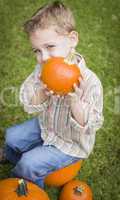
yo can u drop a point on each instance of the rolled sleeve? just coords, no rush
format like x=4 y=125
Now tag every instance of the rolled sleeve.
x=35 y=108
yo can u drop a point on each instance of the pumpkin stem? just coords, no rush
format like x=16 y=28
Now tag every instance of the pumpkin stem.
x=22 y=188
x=78 y=190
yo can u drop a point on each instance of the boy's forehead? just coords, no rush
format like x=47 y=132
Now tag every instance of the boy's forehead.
x=43 y=36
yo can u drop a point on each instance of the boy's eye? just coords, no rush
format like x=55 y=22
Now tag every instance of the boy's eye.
x=36 y=50
x=50 y=46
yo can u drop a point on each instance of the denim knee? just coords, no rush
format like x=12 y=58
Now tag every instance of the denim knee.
x=29 y=169
x=10 y=138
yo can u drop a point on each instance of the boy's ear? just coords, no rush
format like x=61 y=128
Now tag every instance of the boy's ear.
x=73 y=36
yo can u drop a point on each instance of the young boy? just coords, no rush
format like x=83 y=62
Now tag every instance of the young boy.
x=65 y=128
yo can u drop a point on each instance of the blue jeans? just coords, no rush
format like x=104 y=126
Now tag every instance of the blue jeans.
x=33 y=160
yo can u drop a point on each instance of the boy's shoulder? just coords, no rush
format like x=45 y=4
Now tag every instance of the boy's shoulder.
x=90 y=77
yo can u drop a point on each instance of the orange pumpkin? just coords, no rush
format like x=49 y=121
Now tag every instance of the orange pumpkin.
x=18 y=189
x=63 y=175
x=77 y=190
x=59 y=75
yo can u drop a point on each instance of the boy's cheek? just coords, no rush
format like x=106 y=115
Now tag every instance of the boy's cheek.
x=39 y=59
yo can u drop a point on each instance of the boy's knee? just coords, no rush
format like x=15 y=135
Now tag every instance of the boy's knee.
x=29 y=164
x=25 y=163
x=10 y=136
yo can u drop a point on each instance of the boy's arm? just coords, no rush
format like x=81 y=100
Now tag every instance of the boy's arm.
x=87 y=118
x=32 y=94
x=87 y=115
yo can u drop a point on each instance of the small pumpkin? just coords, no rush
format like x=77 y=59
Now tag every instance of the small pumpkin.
x=19 y=189
x=77 y=190
x=59 y=75
x=63 y=175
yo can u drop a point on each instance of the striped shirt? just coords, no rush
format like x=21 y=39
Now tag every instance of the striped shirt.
x=58 y=126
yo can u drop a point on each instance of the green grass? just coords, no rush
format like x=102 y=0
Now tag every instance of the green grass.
x=98 y=26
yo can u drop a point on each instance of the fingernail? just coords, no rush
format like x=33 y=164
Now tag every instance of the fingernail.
x=45 y=85
x=51 y=91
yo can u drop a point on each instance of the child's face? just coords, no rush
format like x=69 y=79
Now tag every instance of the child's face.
x=48 y=43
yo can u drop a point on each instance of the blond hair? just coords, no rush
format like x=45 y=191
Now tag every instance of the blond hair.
x=55 y=14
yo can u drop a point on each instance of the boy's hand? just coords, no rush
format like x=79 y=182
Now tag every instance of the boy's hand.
x=46 y=90
x=78 y=92
x=76 y=103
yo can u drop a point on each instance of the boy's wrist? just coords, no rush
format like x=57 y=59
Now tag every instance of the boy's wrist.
x=78 y=114
x=77 y=110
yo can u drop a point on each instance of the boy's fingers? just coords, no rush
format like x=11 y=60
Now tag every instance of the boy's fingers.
x=58 y=95
x=51 y=92
x=74 y=85
x=78 y=91
x=76 y=88
x=62 y=97
x=43 y=85
x=80 y=79
x=71 y=94
x=47 y=93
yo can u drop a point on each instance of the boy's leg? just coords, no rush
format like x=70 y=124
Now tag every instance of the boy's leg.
x=37 y=163
x=21 y=138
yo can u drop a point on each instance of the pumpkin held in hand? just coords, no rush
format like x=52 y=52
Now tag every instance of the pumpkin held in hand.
x=18 y=189
x=77 y=190
x=59 y=75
